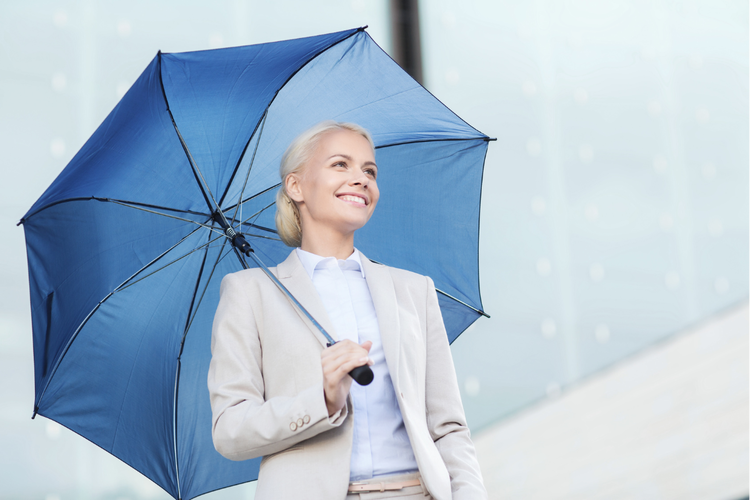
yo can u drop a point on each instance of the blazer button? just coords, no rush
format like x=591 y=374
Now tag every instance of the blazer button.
x=299 y=422
x=293 y=426
x=306 y=419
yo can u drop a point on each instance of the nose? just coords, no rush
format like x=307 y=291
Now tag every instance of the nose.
x=359 y=178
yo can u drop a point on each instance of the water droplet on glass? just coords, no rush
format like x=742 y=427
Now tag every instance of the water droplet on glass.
x=666 y=222
x=543 y=267
x=654 y=108
x=123 y=28
x=529 y=88
x=60 y=19
x=452 y=76
x=121 y=89
x=715 y=228
x=695 y=61
x=660 y=164
x=721 y=285
x=591 y=212
x=53 y=430
x=553 y=389
x=534 y=146
x=215 y=41
x=59 y=82
x=601 y=332
x=538 y=205
x=57 y=148
x=586 y=152
x=708 y=170
x=549 y=328
x=449 y=19
x=472 y=385
x=672 y=280
x=596 y=271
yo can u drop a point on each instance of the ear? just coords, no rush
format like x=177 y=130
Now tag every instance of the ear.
x=293 y=188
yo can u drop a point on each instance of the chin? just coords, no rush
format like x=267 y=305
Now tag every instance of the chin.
x=351 y=226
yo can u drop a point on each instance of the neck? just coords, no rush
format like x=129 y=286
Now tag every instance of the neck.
x=327 y=243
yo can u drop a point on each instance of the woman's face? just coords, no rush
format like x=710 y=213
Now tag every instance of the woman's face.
x=337 y=187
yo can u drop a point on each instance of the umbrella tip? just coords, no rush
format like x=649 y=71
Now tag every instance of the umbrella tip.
x=20 y=222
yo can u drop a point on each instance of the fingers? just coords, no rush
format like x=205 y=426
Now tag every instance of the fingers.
x=347 y=350
x=342 y=357
x=338 y=360
x=339 y=363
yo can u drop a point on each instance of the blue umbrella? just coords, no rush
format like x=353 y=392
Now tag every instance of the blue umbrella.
x=127 y=247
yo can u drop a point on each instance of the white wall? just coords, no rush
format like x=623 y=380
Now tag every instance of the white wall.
x=668 y=423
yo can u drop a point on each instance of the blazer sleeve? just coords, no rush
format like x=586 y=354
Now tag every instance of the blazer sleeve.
x=246 y=424
x=445 y=414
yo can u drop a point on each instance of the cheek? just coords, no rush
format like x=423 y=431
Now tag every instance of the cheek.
x=375 y=195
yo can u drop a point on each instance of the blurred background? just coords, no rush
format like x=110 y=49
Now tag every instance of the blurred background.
x=614 y=234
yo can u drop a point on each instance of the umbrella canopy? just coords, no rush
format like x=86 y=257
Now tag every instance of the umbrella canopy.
x=126 y=257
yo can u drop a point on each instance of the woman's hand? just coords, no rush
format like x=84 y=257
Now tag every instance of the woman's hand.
x=338 y=360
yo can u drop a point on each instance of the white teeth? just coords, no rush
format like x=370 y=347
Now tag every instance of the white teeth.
x=355 y=199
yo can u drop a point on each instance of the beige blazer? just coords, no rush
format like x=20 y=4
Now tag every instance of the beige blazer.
x=266 y=384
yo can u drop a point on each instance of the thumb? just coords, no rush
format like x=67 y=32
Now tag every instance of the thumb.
x=367 y=345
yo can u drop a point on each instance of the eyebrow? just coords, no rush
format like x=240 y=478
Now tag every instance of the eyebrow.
x=350 y=159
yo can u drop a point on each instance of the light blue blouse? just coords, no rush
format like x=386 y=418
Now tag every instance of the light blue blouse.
x=381 y=445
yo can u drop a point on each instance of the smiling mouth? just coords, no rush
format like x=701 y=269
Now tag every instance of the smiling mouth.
x=353 y=199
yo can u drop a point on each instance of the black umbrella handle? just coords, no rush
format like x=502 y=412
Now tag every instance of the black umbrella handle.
x=362 y=375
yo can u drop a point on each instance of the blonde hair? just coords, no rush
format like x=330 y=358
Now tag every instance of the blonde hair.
x=288 y=223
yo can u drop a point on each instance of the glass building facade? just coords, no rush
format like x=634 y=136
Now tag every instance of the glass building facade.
x=614 y=205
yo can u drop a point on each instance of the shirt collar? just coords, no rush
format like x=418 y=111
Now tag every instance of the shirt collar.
x=311 y=261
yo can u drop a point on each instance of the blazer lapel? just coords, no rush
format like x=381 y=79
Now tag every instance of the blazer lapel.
x=383 y=294
x=293 y=276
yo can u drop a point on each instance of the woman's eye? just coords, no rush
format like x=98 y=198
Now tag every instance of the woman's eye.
x=339 y=164
x=371 y=172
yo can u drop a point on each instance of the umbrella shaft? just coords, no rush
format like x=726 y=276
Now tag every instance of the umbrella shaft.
x=291 y=297
x=241 y=244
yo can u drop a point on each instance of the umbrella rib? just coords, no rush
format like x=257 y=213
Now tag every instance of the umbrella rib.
x=463 y=303
x=261 y=236
x=250 y=167
x=178 y=369
x=141 y=204
x=117 y=202
x=450 y=297
x=255 y=196
x=121 y=287
x=174 y=427
x=256 y=226
x=211 y=228
x=416 y=141
x=194 y=165
x=191 y=160
x=257 y=214
x=195 y=312
x=95 y=198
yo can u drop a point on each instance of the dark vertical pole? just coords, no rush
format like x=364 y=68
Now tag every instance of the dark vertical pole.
x=407 y=49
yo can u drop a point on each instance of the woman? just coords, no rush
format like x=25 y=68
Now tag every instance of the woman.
x=277 y=391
